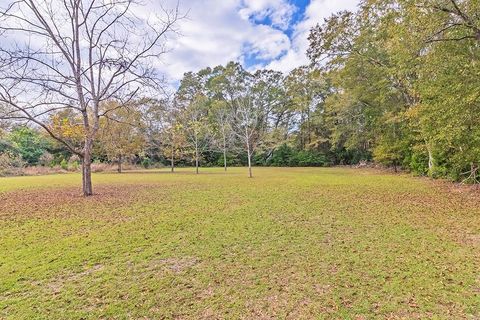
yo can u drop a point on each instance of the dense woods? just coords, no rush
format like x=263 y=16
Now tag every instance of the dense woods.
x=394 y=82
x=402 y=76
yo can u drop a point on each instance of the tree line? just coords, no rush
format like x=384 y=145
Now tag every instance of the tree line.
x=393 y=82
x=219 y=116
x=404 y=89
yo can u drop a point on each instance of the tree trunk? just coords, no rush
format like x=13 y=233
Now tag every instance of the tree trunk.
x=225 y=159
x=87 y=172
x=249 y=154
x=302 y=139
x=172 y=163
x=309 y=138
x=119 y=169
x=431 y=161
x=224 y=153
x=196 y=160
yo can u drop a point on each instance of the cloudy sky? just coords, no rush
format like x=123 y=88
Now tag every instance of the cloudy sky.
x=258 y=33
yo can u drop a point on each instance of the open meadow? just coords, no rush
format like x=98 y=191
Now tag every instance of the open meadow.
x=291 y=243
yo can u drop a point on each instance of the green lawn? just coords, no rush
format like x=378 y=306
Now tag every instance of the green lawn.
x=292 y=243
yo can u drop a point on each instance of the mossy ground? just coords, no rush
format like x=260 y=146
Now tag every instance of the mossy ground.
x=291 y=243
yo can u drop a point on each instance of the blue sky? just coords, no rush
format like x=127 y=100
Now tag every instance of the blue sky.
x=258 y=33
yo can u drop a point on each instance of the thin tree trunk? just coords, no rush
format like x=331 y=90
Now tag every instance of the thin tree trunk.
x=473 y=172
x=225 y=159
x=431 y=161
x=172 y=164
x=224 y=151
x=87 y=172
x=119 y=169
x=309 y=138
x=196 y=159
x=249 y=154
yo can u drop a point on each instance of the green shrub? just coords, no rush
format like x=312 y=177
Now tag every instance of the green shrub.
x=309 y=158
x=231 y=160
x=146 y=163
x=282 y=156
x=64 y=164
x=417 y=163
x=287 y=156
x=30 y=144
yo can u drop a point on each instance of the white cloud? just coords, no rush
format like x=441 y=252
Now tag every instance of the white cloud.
x=217 y=32
x=267 y=43
x=278 y=11
x=214 y=33
x=315 y=13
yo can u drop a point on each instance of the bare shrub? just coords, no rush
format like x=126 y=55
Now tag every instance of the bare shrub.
x=10 y=164
x=39 y=170
x=46 y=159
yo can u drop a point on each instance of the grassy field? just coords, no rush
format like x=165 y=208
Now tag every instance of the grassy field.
x=288 y=244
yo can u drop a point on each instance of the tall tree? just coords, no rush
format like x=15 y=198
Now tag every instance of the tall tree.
x=105 y=52
x=248 y=123
x=222 y=131
x=192 y=103
x=403 y=79
x=196 y=127
x=172 y=135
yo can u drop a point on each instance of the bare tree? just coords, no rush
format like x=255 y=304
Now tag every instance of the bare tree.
x=76 y=54
x=222 y=130
x=247 y=124
x=196 y=128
